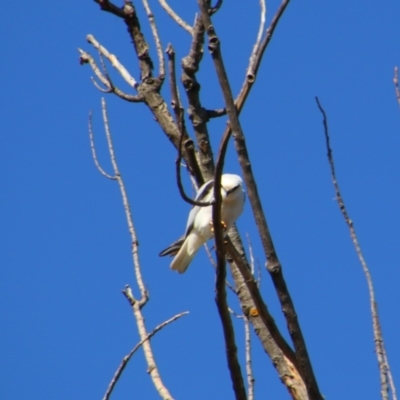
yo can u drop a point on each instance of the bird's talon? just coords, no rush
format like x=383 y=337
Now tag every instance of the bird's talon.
x=224 y=226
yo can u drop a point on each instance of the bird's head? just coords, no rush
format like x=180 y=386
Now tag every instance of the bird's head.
x=231 y=183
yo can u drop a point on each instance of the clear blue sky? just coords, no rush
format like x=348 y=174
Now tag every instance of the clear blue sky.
x=65 y=253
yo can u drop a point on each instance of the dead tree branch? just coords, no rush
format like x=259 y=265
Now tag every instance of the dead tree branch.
x=136 y=304
x=127 y=358
x=86 y=58
x=273 y=264
x=197 y=115
x=149 y=87
x=378 y=338
x=220 y=298
x=176 y=17
x=154 y=30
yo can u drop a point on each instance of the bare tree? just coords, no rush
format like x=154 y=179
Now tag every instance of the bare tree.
x=291 y=360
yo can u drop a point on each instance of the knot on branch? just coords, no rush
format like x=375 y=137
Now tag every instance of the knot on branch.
x=189 y=83
x=251 y=77
x=189 y=145
x=197 y=116
x=189 y=65
x=83 y=59
x=128 y=9
x=213 y=41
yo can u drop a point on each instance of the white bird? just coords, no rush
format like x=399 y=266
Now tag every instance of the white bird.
x=199 y=227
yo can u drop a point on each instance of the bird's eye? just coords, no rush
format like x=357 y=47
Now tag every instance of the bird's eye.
x=232 y=190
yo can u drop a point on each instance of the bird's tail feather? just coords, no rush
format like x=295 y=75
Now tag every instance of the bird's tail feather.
x=186 y=253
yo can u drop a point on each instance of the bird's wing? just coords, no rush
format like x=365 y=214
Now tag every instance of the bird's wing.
x=173 y=248
x=204 y=194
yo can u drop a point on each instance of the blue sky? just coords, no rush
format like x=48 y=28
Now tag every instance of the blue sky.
x=66 y=251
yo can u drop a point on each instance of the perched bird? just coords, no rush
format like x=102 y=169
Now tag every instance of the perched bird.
x=199 y=227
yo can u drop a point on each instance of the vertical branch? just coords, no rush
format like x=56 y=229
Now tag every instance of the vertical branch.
x=136 y=304
x=220 y=298
x=249 y=368
x=378 y=338
x=274 y=266
x=197 y=114
x=153 y=26
x=128 y=213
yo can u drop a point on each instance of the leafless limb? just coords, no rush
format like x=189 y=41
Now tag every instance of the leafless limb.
x=106 y=5
x=113 y=60
x=389 y=373
x=105 y=79
x=176 y=17
x=257 y=312
x=219 y=112
x=220 y=297
x=214 y=265
x=175 y=98
x=273 y=265
x=250 y=253
x=396 y=84
x=249 y=368
x=126 y=359
x=136 y=304
x=197 y=114
x=256 y=62
x=180 y=121
x=156 y=37
x=378 y=338
x=256 y=47
x=149 y=88
x=94 y=154
x=179 y=181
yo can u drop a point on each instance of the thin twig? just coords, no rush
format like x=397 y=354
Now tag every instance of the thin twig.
x=136 y=304
x=378 y=338
x=247 y=343
x=249 y=368
x=396 y=84
x=176 y=17
x=126 y=359
x=214 y=265
x=94 y=154
x=154 y=30
x=250 y=253
x=113 y=60
x=179 y=181
x=389 y=373
x=256 y=47
x=255 y=63
x=273 y=264
x=180 y=121
x=220 y=298
x=86 y=58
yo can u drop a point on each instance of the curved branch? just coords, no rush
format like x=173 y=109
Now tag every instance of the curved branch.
x=176 y=17
x=378 y=338
x=126 y=359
